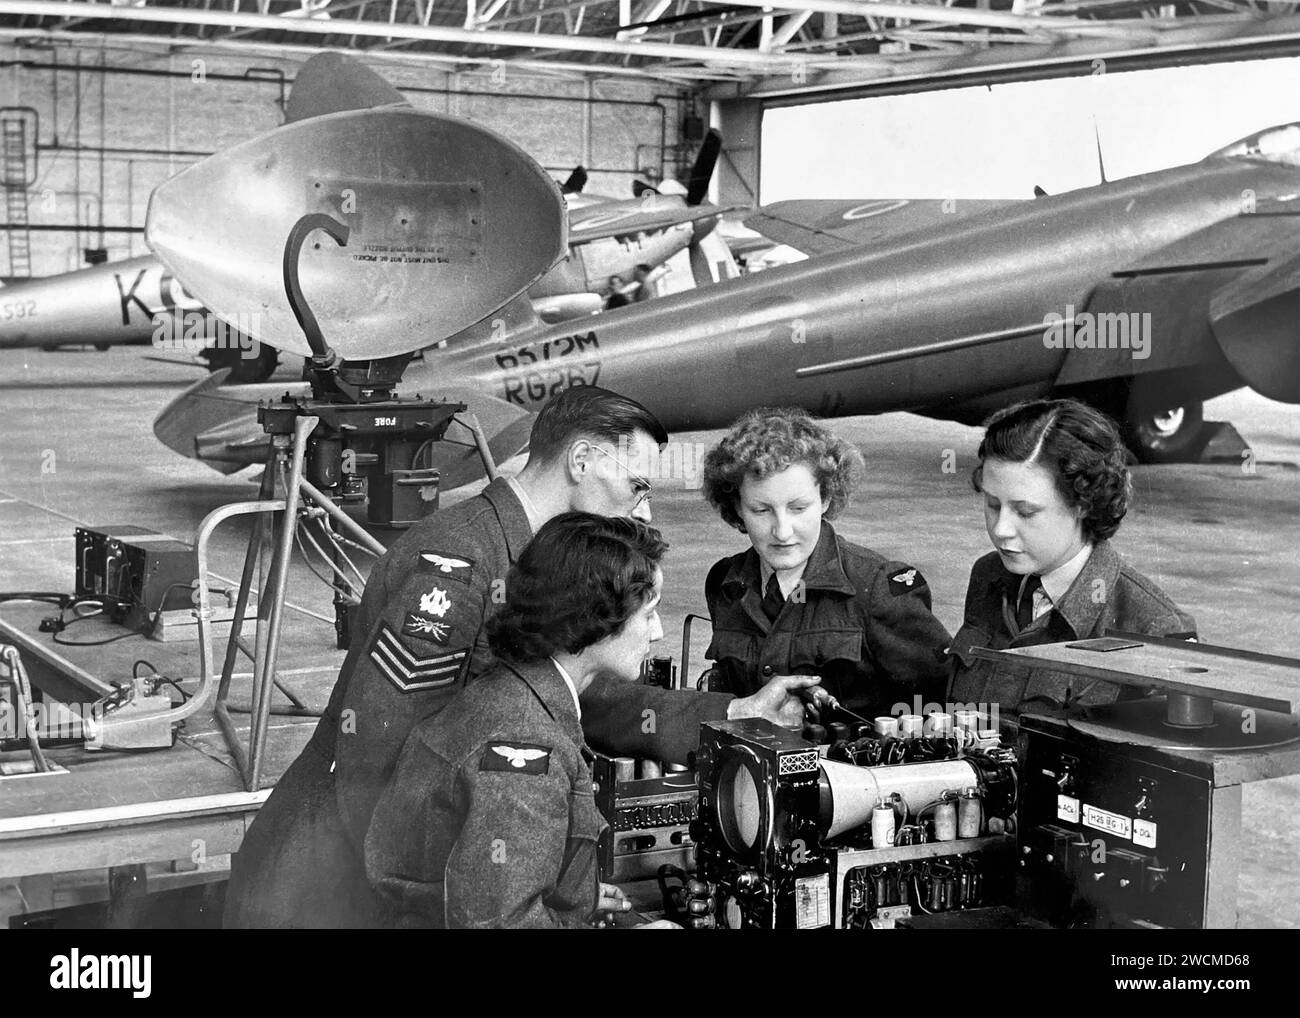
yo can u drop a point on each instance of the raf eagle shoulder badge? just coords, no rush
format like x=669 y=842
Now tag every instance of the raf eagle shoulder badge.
x=906 y=581
x=455 y=566
x=516 y=757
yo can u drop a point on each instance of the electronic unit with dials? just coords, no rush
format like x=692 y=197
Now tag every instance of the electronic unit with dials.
x=793 y=839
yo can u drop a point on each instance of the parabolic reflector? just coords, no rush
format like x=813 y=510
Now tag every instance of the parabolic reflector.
x=448 y=222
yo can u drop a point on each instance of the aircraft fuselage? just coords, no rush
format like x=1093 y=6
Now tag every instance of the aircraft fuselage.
x=839 y=334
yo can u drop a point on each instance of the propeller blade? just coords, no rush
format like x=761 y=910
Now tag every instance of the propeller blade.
x=576 y=181
x=702 y=171
x=505 y=426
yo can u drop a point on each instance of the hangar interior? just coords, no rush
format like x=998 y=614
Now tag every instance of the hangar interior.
x=102 y=106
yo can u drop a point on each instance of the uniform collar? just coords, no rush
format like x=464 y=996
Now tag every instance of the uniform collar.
x=510 y=511
x=552 y=689
x=824 y=569
x=535 y=519
x=568 y=681
x=1078 y=608
x=1057 y=582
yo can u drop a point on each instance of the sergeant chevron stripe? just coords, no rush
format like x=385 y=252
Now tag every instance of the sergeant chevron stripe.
x=410 y=672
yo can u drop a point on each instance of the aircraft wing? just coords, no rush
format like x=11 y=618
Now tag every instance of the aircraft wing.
x=824 y=226
x=1231 y=290
x=621 y=219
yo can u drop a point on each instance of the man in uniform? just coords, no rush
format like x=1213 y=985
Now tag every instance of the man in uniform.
x=418 y=638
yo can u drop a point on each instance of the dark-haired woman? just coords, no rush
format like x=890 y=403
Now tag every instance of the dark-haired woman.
x=802 y=600
x=489 y=819
x=1055 y=483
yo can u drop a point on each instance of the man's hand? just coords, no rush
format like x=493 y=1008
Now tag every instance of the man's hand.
x=778 y=702
x=612 y=899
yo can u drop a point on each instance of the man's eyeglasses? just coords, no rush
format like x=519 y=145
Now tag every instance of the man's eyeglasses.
x=640 y=486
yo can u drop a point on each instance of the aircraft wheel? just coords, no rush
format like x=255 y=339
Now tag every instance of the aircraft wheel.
x=1158 y=433
x=101 y=347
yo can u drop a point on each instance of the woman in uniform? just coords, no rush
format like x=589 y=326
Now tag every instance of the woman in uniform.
x=802 y=600
x=1055 y=484
x=489 y=819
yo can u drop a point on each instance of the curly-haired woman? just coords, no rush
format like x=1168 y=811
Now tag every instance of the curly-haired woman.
x=802 y=600
x=489 y=819
x=1056 y=486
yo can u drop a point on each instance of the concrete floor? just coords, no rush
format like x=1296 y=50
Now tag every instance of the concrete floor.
x=1224 y=541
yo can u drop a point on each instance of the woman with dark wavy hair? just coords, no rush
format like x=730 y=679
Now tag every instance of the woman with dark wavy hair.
x=802 y=600
x=489 y=819
x=1055 y=482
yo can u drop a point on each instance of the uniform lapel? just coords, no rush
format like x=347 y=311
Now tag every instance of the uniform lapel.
x=743 y=586
x=825 y=569
x=1083 y=604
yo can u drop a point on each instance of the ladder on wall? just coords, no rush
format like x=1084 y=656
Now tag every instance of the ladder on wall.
x=13 y=165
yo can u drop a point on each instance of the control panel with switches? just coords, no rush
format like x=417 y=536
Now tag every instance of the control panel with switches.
x=1111 y=835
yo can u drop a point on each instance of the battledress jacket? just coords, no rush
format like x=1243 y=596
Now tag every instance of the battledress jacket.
x=417 y=640
x=1107 y=594
x=489 y=819
x=860 y=621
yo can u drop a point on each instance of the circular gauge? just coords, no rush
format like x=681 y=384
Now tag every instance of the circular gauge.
x=741 y=807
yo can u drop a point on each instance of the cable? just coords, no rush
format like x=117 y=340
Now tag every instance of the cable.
x=89 y=643
x=333 y=538
x=354 y=544
x=45 y=597
x=164 y=681
x=297 y=538
x=23 y=697
x=916 y=889
x=160 y=678
x=76 y=604
x=303 y=531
